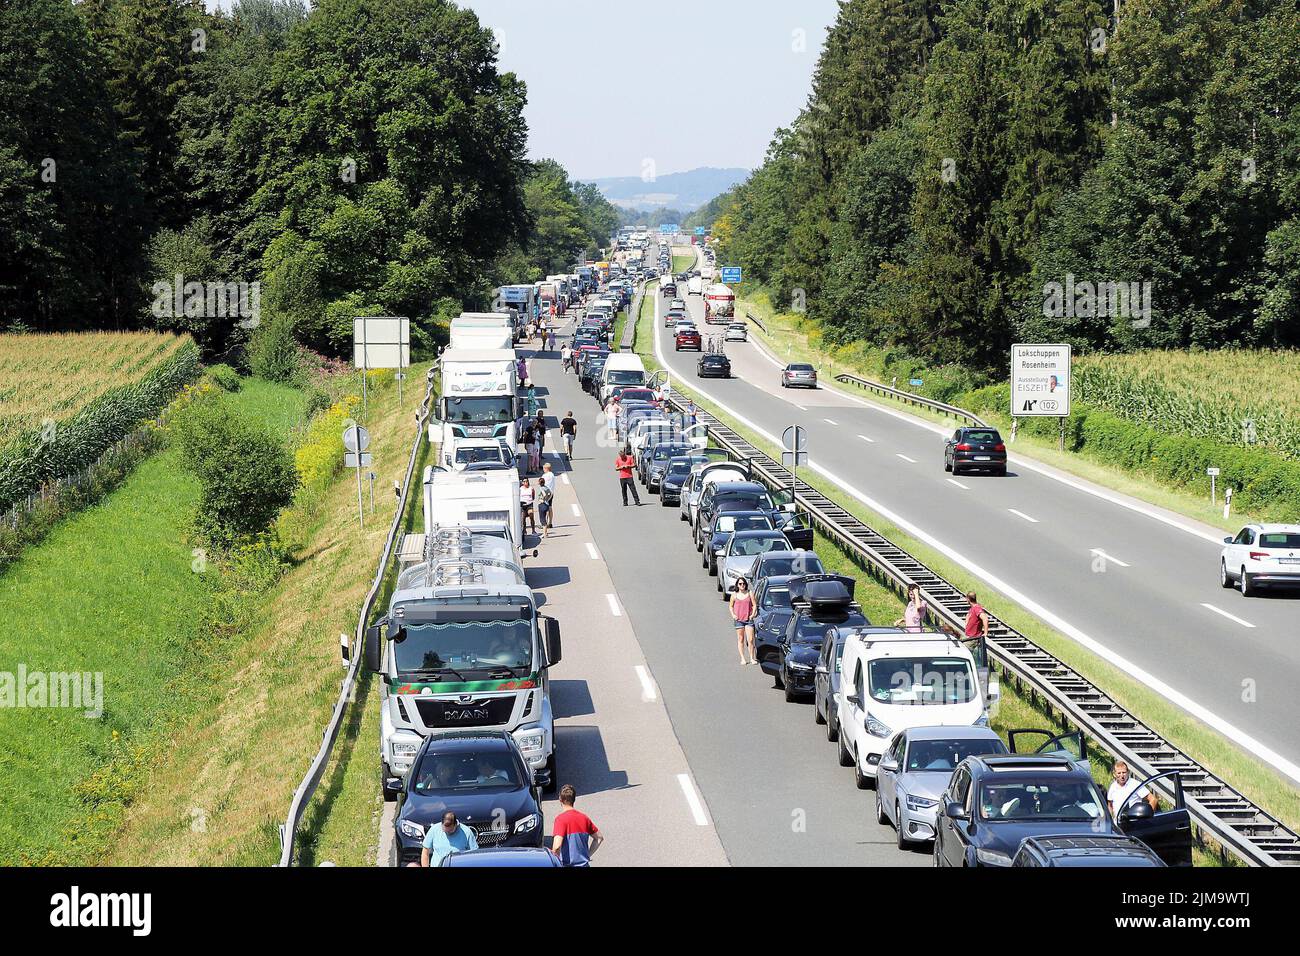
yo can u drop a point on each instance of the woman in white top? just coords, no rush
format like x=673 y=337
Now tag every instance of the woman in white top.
x=526 y=505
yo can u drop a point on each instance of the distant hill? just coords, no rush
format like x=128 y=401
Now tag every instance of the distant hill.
x=685 y=191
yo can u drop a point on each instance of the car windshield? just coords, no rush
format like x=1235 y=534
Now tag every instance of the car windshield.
x=922 y=680
x=485 y=409
x=944 y=755
x=666 y=451
x=729 y=523
x=776 y=597
x=1279 y=539
x=493 y=770
x=804 y=562
x=982 y=435
x=746 y=547
x=462 y=647
x=1040 y=798
x=628 y=376
x=679 y=467
x=748 y=500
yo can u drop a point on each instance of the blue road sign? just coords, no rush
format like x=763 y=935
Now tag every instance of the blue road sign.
x=731 y=275
x=669 y=229
x=700 y=231
x=916 y=381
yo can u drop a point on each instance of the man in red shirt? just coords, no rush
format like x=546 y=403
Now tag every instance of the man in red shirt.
x=624 y=464
x=977 y=619
x=576 y=837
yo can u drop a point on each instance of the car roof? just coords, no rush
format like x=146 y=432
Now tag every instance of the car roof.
x=1027 y=763
x=954 y=732
x=736 y=487
x=754 y=532
x=1273 y=528
x=746 y=513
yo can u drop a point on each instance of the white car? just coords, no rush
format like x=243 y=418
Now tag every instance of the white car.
x=1261 y=555
x=737 y=332
x=891 y=679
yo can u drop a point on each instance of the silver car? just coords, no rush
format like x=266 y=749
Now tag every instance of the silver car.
x=737 y=332
x=915 y=770
x=744 y=549
x=798 y=373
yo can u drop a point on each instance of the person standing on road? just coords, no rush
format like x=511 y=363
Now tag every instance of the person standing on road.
x=914 y=613
x=624 y=464
x=451 y=836
x=532 y=400
x=741 y=605
x=569 y=431
x=1122 y=788
x=564 y=358
x=548 y=486
x=526 y=498
x=576 y=838
x=691 y=413
x=977 y=619
x=539 y=425
x=550 y=341
x=544 y=497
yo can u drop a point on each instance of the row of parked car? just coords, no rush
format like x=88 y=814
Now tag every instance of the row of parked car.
x=907 y=709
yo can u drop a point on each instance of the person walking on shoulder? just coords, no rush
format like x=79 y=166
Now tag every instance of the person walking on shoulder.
x=741 y=605
x=569 y=431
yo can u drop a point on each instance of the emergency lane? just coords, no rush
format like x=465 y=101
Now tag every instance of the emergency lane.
x=1154 y=611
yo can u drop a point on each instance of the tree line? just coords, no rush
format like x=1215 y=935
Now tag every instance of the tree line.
x=970 y=173
x=360 y=157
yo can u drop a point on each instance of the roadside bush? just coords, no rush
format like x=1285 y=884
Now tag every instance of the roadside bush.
x=320 y=456
x=273 y=353
x=246 y=474
x=224 y=377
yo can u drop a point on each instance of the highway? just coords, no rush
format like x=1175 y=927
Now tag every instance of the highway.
x=1132 y=582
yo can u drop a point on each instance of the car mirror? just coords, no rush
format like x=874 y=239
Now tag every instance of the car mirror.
x=552 y=641
x=1141 y=810
x=854 y=699
x=955 y=811
x=394 y=785
x=889 y=764
x=1227 y=540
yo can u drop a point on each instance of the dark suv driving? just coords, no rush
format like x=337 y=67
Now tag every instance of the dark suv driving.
x=975 y=449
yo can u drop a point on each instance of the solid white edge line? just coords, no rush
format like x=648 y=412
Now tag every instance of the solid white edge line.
x=577 y=512
x=1108 y=557
x=693 y=800
x=954 y=481
x=613 y=605
x=1021 y=514
x=1223 y=613
x=1176 y=697
x=648 y=691
x=591 y=550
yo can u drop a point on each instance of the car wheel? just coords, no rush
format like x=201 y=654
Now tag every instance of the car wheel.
x=790 y=695
x=555 y=778
x=1224 y=580
x=903 y=841
x=704 y=562
x=681 y=515
x=934 y=857
x=1248 y=588
x=880 y=810
x=832 y=725
x=1001 y=472
x=946 y=465
x=776 y=680
x=845 y=758
x=713 y=568
x=860 y=779
x=818 y=716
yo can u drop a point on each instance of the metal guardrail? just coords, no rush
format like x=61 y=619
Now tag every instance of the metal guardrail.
x=301 y=796
x=910 y=398
x=751 y=317
x=1231 y=819
x=628 y=341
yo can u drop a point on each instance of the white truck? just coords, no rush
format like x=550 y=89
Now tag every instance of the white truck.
x=462 y=645
x=486 y=502
x=482 y=330
x=478 y=399
x=719 y=303
x=695 y=286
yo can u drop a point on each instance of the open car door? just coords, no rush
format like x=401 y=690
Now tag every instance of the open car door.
x=697 y=435
x=1072 y=744
x=792 y=524
x=1167 y=832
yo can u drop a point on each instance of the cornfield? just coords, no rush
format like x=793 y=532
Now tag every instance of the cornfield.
x=64 y=399
x=1235 y=397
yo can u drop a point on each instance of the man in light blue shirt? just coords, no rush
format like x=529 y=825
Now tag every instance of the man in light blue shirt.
x=447 y=838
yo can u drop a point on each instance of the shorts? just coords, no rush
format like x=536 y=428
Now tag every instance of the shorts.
x=741 y=625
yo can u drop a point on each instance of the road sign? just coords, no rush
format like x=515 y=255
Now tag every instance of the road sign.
x=350 y=459
x=731 y=275
x=669 y=229
x=381 y=341
x=355 y=437
x=1040 y=380
x=701 y=231
x=916 y=381
x=1212 y=472
x=795 y=439
x=793 y=459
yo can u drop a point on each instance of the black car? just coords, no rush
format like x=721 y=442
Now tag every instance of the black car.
x=1109 y=850
x=826 y=682
x=713 y=365
x=653 y=461
x=589 y=374
x=822 y=606
x=678 y=470
x=483 y=777
x=669 y=289
x=993 y=803
x=975 y=449
x=752 y=495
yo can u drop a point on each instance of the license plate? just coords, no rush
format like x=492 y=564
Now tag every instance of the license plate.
x=1289 y=560
x=982 y=458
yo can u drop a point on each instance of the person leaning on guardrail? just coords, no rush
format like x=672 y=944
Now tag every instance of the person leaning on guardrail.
x=977 y=619
x=914 y=613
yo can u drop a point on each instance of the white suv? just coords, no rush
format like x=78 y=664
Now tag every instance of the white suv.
x=1260 y=555
x=892 y=679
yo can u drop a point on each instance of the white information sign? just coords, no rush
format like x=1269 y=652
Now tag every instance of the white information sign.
x=1040 y=380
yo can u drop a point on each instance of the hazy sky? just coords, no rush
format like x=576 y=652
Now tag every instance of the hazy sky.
x=612 y=84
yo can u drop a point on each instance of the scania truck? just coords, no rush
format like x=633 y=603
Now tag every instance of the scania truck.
x=463 y=646
x=478 y=397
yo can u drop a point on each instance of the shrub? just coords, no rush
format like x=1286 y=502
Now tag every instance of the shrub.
x=320 y=456
x=246 y=474
x=224 y=377
x=273 y=353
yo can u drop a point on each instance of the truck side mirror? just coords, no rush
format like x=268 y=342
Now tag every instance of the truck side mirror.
x=374 y=637
x=552 y=634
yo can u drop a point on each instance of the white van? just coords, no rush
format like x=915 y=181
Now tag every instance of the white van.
x=621 y=368
x=891 y=679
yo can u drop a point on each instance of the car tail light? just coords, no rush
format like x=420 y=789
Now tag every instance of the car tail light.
x=999 y=447
x=1258 y=555
x=963 y=447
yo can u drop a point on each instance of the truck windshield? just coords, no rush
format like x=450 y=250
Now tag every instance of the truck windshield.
x=922 y=680
x=465 y=646
x=471 y=455
x=480 y=409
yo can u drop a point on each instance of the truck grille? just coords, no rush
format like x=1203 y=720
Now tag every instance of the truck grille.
x=474 y=712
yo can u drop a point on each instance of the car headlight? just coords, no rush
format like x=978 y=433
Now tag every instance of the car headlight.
x=531 y=742
x=527 y=823
x=794 y=666
x=920 y=803
x=411 y=829
x=875 y=727
x=982 y=721
x=992 y=858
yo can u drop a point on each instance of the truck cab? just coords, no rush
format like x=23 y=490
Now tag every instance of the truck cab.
x=479 y=396
x=462 y=646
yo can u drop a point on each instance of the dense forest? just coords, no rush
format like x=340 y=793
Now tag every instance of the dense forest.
x=360 y=157
x=961 y=162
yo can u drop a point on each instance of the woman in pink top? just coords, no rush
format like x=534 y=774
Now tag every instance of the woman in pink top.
x=742 y=612
x=914 y=613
